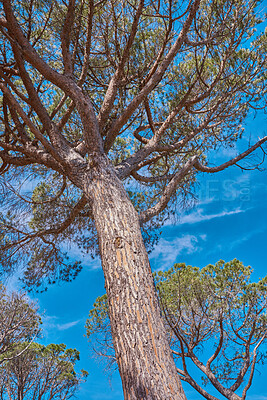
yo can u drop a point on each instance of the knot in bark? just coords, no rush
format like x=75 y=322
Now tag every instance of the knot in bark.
x=118 y=242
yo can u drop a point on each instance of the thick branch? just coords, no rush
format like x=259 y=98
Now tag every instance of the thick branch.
x=246 y=365
x=30 y=53
x=28 y=237
x=65 y=37
x=40 y=157
x=88 y=43
x=172 y=186
x=58 y=141
x=228 y=393
x=151 y=179
x=13 y=87
x=83 y=103
x=130 y=164
x=65 y=224
x=218 y=349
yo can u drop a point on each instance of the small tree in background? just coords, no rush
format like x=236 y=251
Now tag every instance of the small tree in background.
x=215 y=318
x=40 y=373
x=19 y=320
x=28 y=370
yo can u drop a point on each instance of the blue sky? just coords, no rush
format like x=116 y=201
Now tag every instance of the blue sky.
x=228 y=221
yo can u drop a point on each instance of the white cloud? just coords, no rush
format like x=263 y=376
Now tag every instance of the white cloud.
x=246 y=237
x=199 y=216
x=234 y=243
x=206 y=201
x=12 y=282
x=167 y=251
x=68 y=325
x=50 y=323
x=228 y=152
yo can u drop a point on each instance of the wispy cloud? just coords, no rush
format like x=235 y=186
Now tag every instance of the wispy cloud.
x=167 y=251
x=200 y=216
x=50 y=323
x=246 y=237
x=231 y=244
x=68 y=325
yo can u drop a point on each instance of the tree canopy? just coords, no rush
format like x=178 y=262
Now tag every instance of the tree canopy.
x=215 y=318
x=29 y=370
x=40 y=373
x=19 y=320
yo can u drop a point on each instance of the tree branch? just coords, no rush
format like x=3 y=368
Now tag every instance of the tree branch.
x=187 y=378
x=252 y=367
x=88 y=43
x=151 y=179
x=114 y=82
x=233 y=161
x=228 y=393
x=83 y=103
x=65 y=38
x=28 y=237
x=58 y=141
x=219 y=347
x=154 y=80
x=30 y=124
x=167 y=193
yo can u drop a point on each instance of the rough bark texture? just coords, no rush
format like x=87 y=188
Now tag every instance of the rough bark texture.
x=145 y=363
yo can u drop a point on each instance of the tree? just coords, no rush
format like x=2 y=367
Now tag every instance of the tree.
x=40 y=373
x=109 y=97
x=30 y=370
x=215 y=317
x=19 y=321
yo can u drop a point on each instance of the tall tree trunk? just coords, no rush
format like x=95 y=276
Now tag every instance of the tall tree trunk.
x=145 y=362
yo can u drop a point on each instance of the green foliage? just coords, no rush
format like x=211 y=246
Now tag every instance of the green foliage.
x=98 y=327
x=42 y=210
x=29 y=370
x=98 y=316
x=211 y=312
x=40 y=372
x=201 y=305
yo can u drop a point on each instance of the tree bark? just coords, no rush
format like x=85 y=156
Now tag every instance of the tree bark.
x=145 y=362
